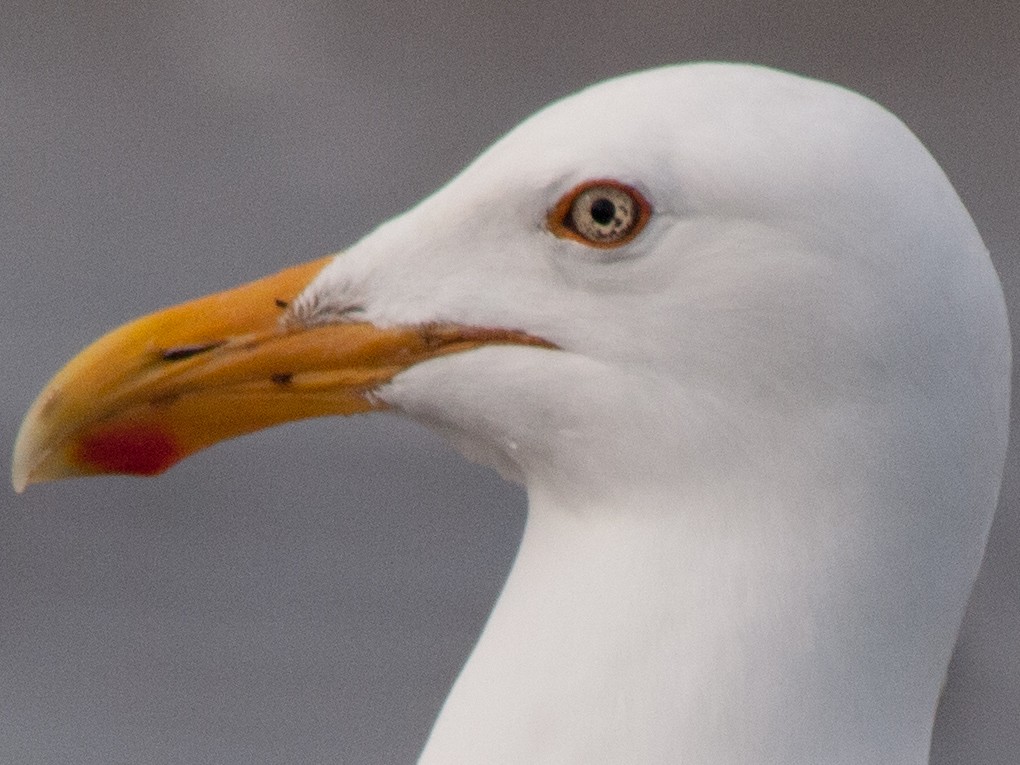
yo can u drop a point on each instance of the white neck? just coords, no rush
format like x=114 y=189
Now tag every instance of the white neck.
x=756 y=581
x=697 y=635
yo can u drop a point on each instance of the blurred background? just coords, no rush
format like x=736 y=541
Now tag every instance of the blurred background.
x=307 y=594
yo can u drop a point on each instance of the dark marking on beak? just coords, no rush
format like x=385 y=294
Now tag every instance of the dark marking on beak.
x=281 y=303
x=282 y=378
x=182 y=352
x=164 y=399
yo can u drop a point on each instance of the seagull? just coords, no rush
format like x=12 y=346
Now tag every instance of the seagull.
x=740 y=340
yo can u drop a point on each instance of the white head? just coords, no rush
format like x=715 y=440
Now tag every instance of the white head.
x=804 y=254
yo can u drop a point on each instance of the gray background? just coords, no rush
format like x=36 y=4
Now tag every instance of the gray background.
x=307 y=594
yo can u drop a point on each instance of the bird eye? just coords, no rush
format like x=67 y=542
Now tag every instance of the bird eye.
x=601 y=213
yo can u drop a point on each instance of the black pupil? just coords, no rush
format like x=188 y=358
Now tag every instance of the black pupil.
x=603 y=211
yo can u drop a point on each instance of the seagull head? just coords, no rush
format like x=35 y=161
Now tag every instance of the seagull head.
x=743 y=305
x=708 y=250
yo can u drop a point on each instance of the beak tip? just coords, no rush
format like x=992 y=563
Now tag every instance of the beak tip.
x=31 y=466
x=22 y=460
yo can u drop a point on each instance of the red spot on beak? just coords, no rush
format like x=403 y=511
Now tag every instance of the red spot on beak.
x=132 y=449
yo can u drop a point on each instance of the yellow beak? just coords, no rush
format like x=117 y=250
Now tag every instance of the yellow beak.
x=160 y=388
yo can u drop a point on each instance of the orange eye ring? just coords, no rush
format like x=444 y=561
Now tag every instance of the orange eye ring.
x=600 y=213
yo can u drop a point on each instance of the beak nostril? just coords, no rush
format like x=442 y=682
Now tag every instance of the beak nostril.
x=182 y=352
